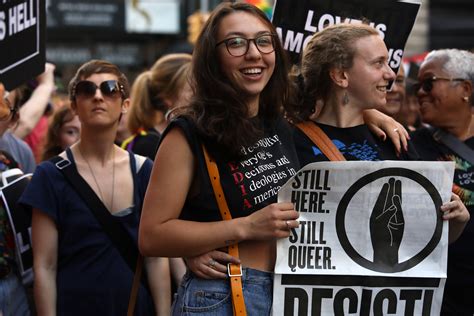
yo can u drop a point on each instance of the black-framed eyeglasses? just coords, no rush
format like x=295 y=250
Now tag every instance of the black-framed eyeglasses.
x=427 y=83
x=87 y=89
x=6 y=110
x=239 y=46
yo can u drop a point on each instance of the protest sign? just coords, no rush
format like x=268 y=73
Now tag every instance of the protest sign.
x=393 y=19
x=22 y=29
x=20 y=221
x=369 y=233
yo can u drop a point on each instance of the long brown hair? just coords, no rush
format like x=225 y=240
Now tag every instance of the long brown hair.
x=328 y=49
x=218 y=109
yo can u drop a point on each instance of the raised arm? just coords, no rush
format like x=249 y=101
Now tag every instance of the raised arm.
x=33 y=109
x=45 y=254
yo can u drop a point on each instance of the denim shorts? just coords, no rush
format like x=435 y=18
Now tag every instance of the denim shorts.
x=13 y=300
x=213 y=297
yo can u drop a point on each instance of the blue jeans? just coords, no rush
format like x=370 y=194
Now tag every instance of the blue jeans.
x=213 y=297
x=13 y=301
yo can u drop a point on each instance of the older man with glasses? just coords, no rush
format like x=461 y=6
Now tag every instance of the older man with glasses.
x=445 y=93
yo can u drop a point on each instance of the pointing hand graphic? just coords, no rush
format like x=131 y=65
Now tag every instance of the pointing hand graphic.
x=387 y=223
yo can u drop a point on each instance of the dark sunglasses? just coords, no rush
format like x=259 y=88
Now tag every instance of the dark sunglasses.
x=427 y=83
x=87 y=89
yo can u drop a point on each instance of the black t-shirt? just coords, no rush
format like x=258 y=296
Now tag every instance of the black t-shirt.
x=461 y=253
x=355 y=143
x=250 y=183
x=144 y=143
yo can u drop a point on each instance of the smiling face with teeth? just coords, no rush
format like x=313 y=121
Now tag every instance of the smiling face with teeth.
x=368 y=78
x=251 y=72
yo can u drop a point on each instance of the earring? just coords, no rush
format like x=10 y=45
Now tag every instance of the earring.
x=345 y=98
x=466 y=99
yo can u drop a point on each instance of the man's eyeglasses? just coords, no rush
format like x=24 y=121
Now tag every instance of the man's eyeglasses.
x=239 y=46
x=427 y=83
x=87 y=89
x=6 y=110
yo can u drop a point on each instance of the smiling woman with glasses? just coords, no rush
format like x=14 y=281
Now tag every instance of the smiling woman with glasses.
x=445 y=93
x=239 y=46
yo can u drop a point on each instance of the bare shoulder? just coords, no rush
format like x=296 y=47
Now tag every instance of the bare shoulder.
x=175 y=145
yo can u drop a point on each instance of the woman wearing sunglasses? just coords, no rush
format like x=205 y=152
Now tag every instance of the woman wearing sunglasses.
x=78 y=268
x=446 y=96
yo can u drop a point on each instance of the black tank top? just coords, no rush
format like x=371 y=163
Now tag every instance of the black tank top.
x=250 y=183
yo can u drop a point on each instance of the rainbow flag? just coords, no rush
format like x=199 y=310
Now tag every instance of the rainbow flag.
x=263 y=5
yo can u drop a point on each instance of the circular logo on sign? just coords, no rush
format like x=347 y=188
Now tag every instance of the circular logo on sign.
x=387 y=221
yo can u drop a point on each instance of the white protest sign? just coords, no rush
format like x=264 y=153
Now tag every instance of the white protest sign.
x=371 y=231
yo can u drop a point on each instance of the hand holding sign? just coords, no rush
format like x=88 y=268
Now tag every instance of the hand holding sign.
x=271 y=222
x=387 y=223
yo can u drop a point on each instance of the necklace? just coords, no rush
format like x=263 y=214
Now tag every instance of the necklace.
x=97 y=183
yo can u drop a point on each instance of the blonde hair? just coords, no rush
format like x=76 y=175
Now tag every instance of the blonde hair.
x=330 y=48
x=165 y=80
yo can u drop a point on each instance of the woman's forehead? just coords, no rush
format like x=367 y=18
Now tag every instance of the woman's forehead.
x=241 y=23
x=99 y=77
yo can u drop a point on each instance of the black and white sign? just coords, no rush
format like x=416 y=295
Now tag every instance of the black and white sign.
x=20 y=220
x=370 y=232
x=22 y=28
x=393 y=19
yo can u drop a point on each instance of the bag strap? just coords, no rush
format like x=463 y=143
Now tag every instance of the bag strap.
x=453 y=143
x=320 y=139
x=121 y=240
x=135 y=286
x=114 y=230
x=233 y=270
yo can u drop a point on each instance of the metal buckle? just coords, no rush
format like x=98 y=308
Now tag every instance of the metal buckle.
x=234 y=275
x=62 y=164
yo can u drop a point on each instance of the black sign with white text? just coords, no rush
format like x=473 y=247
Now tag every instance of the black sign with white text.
x=392 y=19
x=22 y=30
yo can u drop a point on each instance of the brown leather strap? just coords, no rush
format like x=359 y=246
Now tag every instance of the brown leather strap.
x=320 y=139
x=233 y=270
x=135 y=286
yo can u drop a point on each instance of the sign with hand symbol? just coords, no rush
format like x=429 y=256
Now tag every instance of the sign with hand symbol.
x=370 y=232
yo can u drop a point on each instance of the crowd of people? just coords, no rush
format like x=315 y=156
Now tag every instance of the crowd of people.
x=146 y=173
